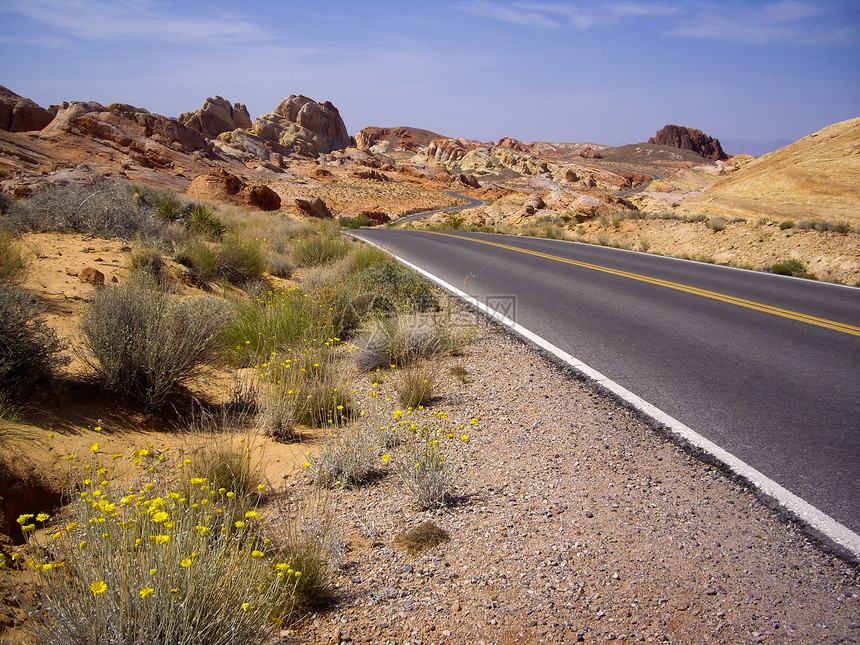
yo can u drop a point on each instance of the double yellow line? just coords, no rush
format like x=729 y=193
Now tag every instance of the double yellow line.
x=713 y=295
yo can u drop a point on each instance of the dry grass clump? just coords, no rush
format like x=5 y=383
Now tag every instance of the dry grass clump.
x=30 y=351
x=400 y=340
x=424 y=536
x=314 y=250
x=303 y=388
x=158 y=563
x=13 y=265
x=415 y=385
x=107 y=207
x=142 y=342
x=349 y=457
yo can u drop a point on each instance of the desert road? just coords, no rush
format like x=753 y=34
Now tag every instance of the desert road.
x=764 y=366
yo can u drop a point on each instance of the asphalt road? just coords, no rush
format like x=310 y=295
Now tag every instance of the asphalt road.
x=765 y=366
x=471 y=202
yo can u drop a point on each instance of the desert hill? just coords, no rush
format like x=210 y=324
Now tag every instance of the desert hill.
x=813 y=178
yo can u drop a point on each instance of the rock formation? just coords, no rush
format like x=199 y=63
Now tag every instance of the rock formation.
x=513 y=144
x=589 y=153
x=18 y=114
x=220 y=185
x=303 y=126
x=314 y=207
x=131 y=128
x=217 y=116
x=400 y=138
x=449 y=150
x=679 y=136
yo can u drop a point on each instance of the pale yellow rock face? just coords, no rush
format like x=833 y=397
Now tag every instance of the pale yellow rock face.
x=815 y=178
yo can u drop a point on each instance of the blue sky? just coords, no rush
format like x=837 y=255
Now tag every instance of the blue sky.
x=607 y=71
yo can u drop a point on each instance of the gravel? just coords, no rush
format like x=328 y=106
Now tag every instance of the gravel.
x=575 y=522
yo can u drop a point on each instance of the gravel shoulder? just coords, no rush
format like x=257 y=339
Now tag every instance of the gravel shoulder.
x=576 y=522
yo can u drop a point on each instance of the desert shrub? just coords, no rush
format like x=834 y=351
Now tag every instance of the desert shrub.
x=279 y=321
x=228 y=464
x=398 y=340
x=30 y=351
x=239 y=260
x=791 y=266
x=202 y=219
x=6 y=202
x=364 y=257
x=805 y=224
x=303 y=388
x=349 y=457
x=716 y=224
x=169 y=209
x=200 y=257
x=428 y=474
x=843 y=227
x=786 y=224
x=142 y=342
x=157 y=564
x=402 y=287
x=107 y=207
x=359 y=221
x=415 y=385
x=148 y=261
x=13 y=266
x=424 y=536
x=279 y=265
x=319 y=249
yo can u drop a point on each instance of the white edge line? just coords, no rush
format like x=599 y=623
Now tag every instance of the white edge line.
x=837 y=534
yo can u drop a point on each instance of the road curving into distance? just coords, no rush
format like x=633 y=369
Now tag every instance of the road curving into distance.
x=764 y=369
x=471 y=202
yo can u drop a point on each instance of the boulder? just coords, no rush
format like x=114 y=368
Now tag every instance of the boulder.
x=314 y=207
x=320 y=118
x=320 y=173
x=18 y=114
x=448 y=150
x=590 y=153
x=217 y=116
x=260 y=197
x=534 y=204
x=469 y=181
x=220 y=185
x=377 y=217
x=92 y=276
x=369 y=174
x=678 y=136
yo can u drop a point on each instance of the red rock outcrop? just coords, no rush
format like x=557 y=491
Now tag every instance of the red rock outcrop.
x=217 y=116
x=513 y=144
x=400 y=138
x=589 y=153
x=18 y=114
x=314 y=207
x=679 y=136
x=127 y=126
x=445 y=150
x=220 y=185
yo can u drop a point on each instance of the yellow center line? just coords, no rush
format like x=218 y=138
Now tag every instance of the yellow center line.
x=740 y=302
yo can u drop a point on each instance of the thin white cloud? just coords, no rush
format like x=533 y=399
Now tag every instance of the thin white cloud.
x=106 y=20
x=580 y=15
x=787 y=21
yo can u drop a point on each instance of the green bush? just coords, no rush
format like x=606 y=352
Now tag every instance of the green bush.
x=786 y=224
x=169 y=210
x=148 y=261
x=276 y=323
x=361 y=221
x=399 y=286
x=320 y=249
x=142 y=342
x=30 y=352
x=202 y=219
x=240 y=260
x=791 y=267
